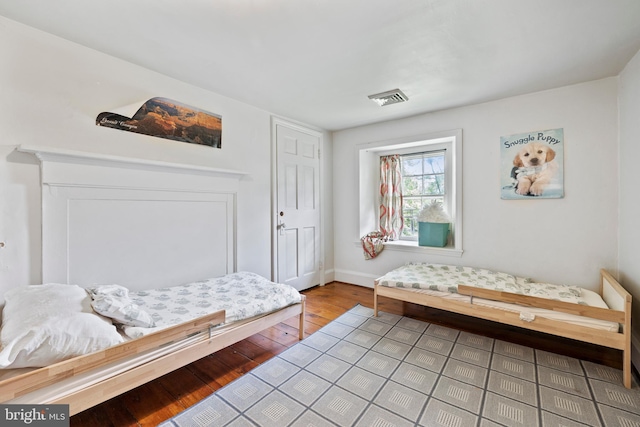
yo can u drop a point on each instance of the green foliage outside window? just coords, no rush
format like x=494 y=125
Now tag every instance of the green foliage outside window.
x=422 y=182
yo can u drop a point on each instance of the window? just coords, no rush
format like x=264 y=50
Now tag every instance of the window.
x=431 y=169
x=423 y=180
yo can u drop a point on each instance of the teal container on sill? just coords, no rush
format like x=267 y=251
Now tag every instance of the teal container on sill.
x=433 y=234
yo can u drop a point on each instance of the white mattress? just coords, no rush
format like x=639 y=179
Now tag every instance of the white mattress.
x=242 y=295
x=441 y=281
x=594 y=300
x=245 y=296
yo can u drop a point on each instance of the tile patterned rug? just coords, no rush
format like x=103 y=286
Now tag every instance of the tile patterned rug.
x=390 y=370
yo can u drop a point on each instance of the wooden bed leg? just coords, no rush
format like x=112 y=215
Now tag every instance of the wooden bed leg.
x=375 y=300
x=302 y=314
x=626 y=368
x=626 y=352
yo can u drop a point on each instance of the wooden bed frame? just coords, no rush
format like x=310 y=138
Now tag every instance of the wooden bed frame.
x=91 y=206
x=617 y=298
x=203 y=344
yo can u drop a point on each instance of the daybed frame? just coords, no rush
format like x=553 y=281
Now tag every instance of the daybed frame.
x=203 y=342
x=616 y=297
x=91 y=203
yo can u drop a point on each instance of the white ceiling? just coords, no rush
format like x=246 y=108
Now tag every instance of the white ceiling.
x=316 y=61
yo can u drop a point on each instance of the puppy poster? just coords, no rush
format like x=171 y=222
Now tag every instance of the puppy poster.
x=532 y=165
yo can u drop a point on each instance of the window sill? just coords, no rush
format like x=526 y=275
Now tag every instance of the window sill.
x=412 y=246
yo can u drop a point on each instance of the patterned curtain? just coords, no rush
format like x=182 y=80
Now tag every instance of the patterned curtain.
x=391 y=219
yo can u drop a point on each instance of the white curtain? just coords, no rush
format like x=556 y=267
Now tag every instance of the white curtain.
x=391 y=218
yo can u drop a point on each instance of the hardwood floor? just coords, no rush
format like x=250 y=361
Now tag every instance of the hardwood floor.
x=158 y=400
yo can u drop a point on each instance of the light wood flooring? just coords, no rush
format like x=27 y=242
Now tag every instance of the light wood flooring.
x=158 y=400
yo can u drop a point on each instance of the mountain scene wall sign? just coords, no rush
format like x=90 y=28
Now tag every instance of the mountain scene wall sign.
x=165 y=118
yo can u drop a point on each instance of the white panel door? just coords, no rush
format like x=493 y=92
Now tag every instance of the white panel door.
x=298 y=210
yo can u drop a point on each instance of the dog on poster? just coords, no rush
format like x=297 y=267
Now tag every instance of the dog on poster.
x=534 y=168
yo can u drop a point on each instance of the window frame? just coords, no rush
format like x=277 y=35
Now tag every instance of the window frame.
x=368 y=164
x=432 y=148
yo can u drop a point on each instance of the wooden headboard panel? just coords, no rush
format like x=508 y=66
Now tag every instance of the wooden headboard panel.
x=142 y=224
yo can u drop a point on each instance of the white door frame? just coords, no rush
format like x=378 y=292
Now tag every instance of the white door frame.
x=275 y=121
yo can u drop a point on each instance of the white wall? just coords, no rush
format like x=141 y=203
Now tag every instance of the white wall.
x=327 y=208
x=559 y=240
x=629 y=195
x=51 y=92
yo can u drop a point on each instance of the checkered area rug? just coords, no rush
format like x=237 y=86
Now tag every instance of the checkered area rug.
x=390 y=370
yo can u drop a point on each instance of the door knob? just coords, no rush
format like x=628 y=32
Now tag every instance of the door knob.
x=281 y=227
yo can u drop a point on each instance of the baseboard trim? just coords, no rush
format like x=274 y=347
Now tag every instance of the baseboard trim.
x=355 y=278
x=329 y=276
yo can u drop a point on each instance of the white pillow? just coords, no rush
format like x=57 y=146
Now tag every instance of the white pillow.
x=113 y=301
x=44 y=324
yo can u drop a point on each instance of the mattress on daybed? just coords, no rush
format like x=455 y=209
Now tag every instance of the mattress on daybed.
x=242 y=295
x=49 y=323
x=245 y=297
x=442 y=281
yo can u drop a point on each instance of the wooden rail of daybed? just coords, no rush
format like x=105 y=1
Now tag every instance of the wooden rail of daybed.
x=91 y=395
x=615 y=296
x=33 y=380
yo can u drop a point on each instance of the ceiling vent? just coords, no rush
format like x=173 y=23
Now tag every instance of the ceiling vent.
x=390 y=97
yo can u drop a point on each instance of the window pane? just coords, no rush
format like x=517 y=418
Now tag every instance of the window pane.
x=433 y=185
x=411 y=165
x=410 y=228
x=434 y=164
x=412 y=186
x=411 y=206
x=423 y=181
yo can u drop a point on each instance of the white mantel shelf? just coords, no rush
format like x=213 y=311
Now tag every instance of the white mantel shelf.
x=60 y=155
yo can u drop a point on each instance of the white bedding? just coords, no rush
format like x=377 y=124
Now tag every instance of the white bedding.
x=45 y=324
x=78 y=382
x=442 y=281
